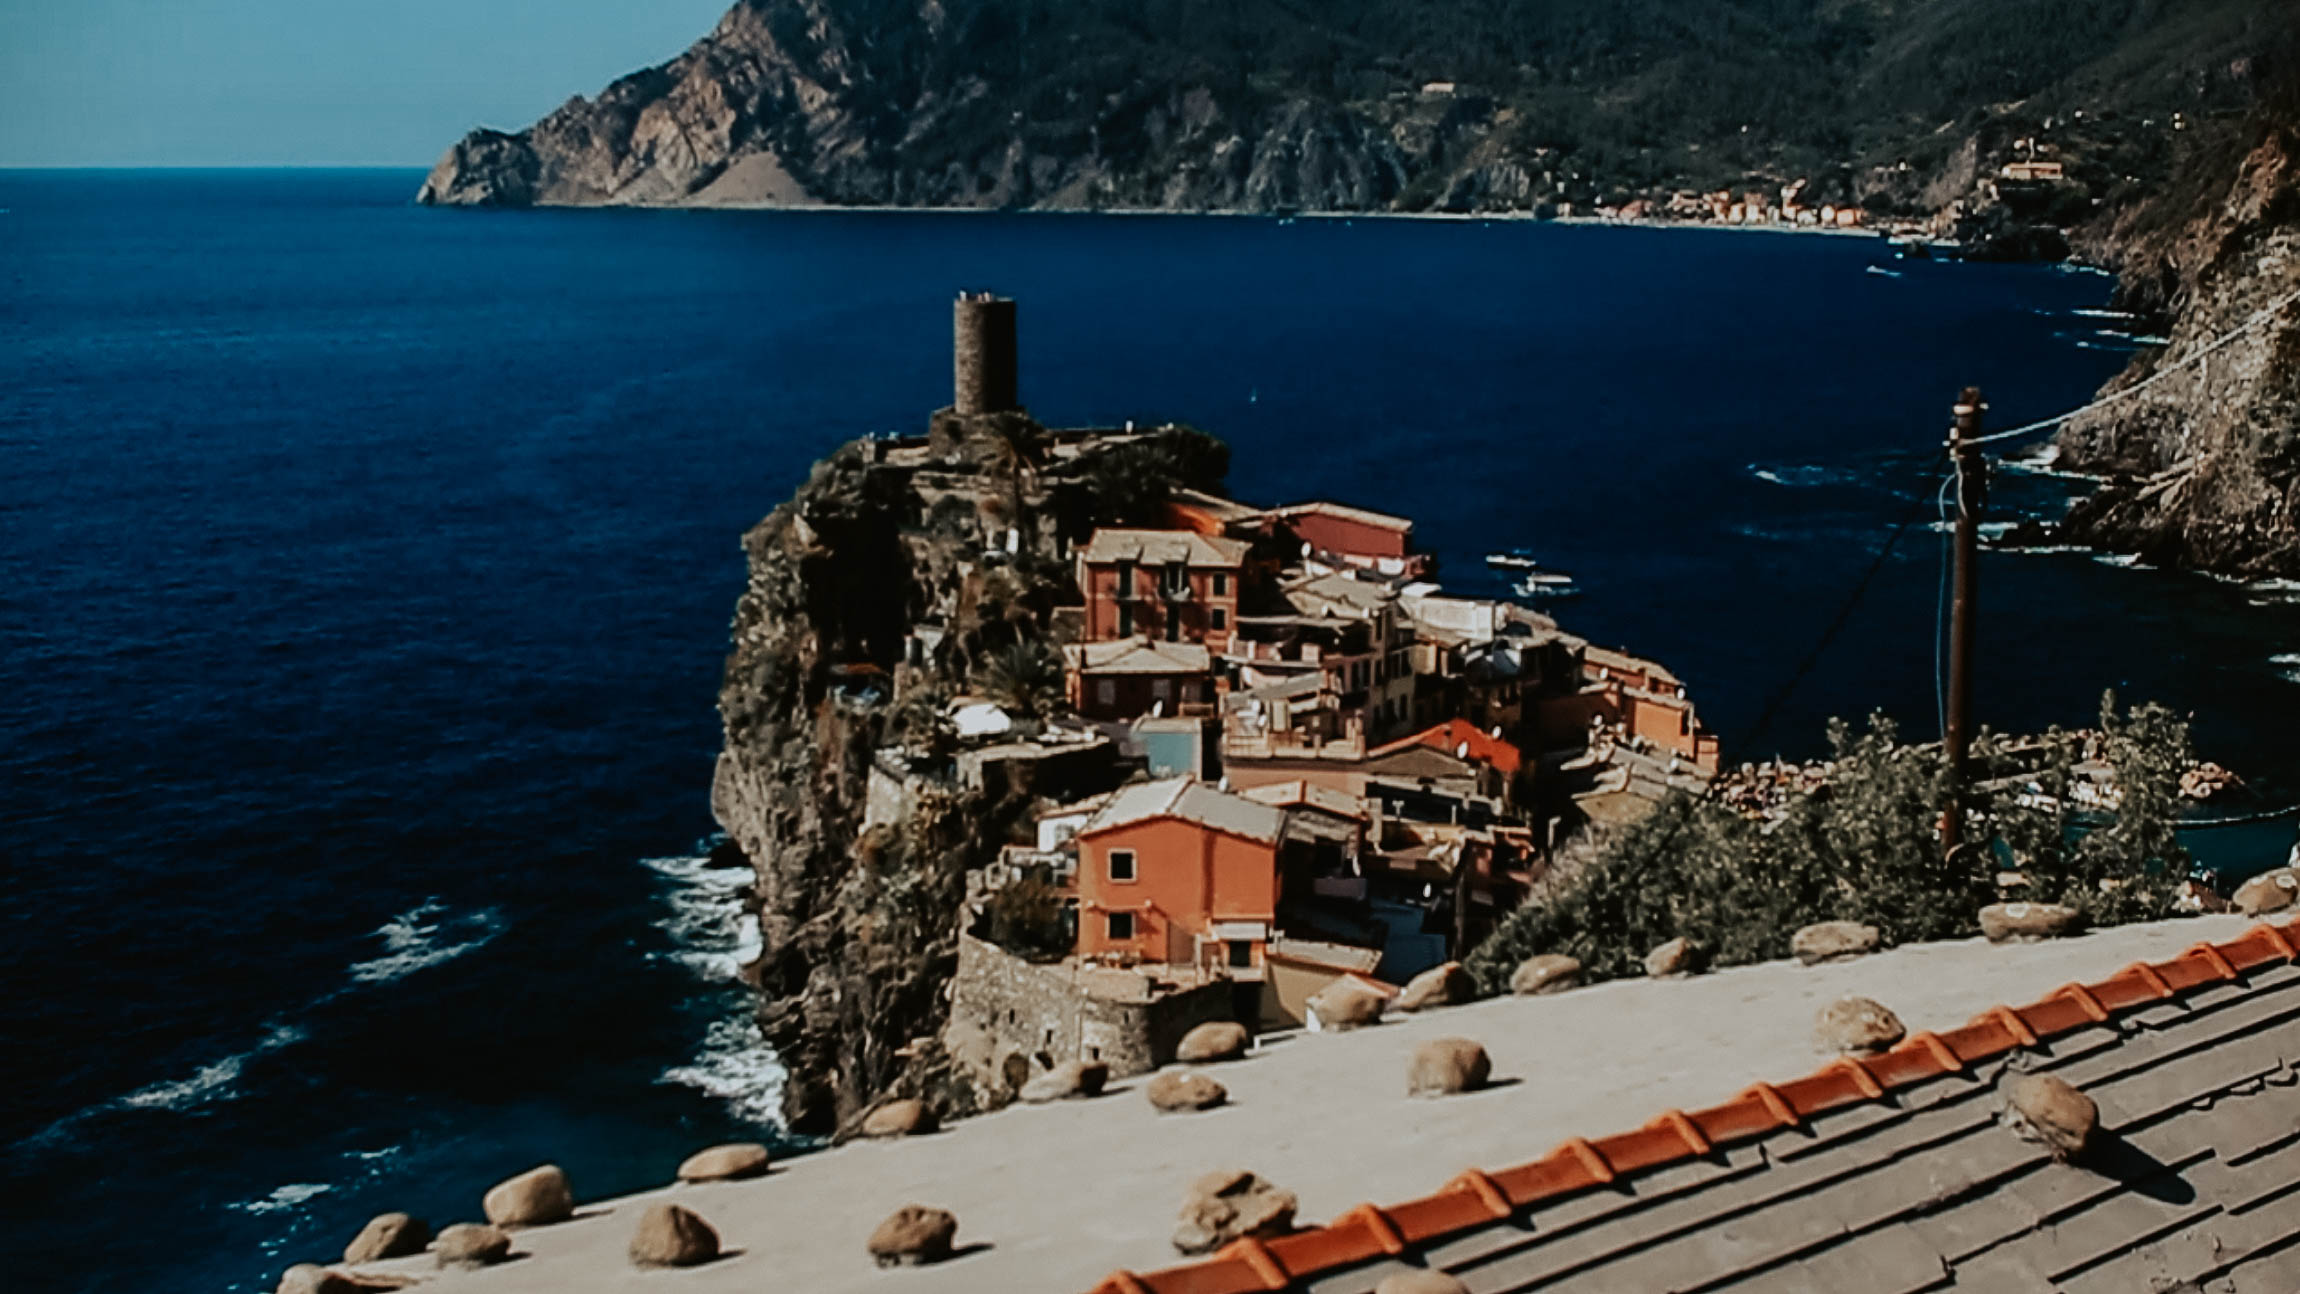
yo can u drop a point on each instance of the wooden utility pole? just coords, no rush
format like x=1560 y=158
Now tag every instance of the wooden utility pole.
x=1972 y=501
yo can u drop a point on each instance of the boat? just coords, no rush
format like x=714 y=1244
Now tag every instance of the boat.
x=1548 y=586
x=1511 y=561
x=1546 y=577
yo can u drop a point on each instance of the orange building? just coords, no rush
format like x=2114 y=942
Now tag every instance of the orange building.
x=1175 y=585
x=1181 y=873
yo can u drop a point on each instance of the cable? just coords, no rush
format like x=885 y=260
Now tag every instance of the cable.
x=2257 y=318
x=1781 y=695
x=1941 y=612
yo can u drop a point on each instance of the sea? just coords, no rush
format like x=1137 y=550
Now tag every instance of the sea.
x=365 y=575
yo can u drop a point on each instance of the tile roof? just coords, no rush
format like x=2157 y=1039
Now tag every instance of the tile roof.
x=1159 y=547
x=1364 y=516
x=1303 y=793
x=1361 y=597
x=1454 y=734
x=1888 y=1172
x=1139 y=656
x=1190 y=800
x=1606 y=656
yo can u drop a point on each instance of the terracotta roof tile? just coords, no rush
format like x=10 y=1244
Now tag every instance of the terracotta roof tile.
x=1478 y=1198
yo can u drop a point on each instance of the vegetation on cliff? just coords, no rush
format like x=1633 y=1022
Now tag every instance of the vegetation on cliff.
x=1864 y=848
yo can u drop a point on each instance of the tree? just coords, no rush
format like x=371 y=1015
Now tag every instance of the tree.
x=1024 y=677
x=1866 y=847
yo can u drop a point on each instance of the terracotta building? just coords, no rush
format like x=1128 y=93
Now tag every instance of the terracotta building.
x=1181 y=873
x=1173 y=585
x=1131 y=677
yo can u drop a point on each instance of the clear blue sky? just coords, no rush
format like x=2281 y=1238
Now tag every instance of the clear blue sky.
x=307 y=82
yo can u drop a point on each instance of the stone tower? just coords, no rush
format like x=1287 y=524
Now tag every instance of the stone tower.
x=983 y=354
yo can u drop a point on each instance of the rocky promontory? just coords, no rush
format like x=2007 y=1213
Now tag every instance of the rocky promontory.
x=902 y=573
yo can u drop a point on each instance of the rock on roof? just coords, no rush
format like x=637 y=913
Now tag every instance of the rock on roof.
x=1895 y=1173
x=1190 y=800
x=1161 y=547
x=1139 y=656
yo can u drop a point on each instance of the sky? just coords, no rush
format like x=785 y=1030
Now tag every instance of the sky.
x=307 y=82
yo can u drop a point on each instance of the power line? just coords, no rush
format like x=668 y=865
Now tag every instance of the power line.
x=2258 y=317
x=1781 y=695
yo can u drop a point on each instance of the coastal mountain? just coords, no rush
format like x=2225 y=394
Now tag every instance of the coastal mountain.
x=1460 y=105
x=2163 y=129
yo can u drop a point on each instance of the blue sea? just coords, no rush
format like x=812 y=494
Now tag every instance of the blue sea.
x=365 y=574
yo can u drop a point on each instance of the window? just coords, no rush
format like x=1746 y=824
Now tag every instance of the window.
x=1122 y=865
x=1105 y=692
x=1121 y=925
x=1241 y=954
x=1221 y=584
x=1161 y=689
x=1220 y=619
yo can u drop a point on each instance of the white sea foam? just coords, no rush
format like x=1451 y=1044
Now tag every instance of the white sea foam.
x=211 y=1082
x=2268 y=593
x=2045 y=548
x=713 y=934
x=1804 y=476
x=426 y=936
x=1987 y=529
x=285 y=1198
x=2290 y=665
x=2105 y=314
x=2130 y=561
x=737 y=1067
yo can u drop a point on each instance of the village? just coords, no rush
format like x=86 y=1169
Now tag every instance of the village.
x=1284 y=755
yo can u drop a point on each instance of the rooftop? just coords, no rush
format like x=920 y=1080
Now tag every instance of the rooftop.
x=1326 y=1116
x=1306 y=794
x=1618 y=660
x=1363 y=516
x=1140 y=656
x=1161 y=547
x=1190 y=800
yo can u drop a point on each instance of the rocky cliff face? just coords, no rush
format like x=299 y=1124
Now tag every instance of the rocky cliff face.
x=2204 y=462
x=860 y=925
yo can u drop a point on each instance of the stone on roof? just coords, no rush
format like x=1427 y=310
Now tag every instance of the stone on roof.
x=1139 y=656
x=1162 y=547
x=1189 y=800
x=1325 y=952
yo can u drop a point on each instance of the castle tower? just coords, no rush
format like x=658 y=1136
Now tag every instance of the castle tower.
x=983 y=354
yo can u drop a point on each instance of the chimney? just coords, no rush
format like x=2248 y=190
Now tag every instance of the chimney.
x=983 y=354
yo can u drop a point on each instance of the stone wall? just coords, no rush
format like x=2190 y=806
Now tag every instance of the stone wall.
x=1009 y=1016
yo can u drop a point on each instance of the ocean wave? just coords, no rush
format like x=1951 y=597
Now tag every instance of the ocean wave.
x=426 y=936
x=1806 y=476
x=211 y=1082
x=2289 y=663
x=2105 y=314
x=2268 y=593
x=2042 y=548
x=713 y=932
x=1986 y=530
x=2129 y=561
x=283 y=1199
x=735 y=1066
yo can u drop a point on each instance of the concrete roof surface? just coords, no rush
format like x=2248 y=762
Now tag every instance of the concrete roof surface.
x=1058 y=1196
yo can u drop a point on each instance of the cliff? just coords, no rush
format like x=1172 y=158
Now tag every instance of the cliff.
x=874 y=596
x=2204 y=464
x=1357 y=105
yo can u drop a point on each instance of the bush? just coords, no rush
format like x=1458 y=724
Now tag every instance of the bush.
x=1865 y=848
x=1026 y=919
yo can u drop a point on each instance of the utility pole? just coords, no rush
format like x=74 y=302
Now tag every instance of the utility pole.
x=1972 y=501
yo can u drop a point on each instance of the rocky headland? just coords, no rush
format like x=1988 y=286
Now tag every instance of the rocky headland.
x=882 y=556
